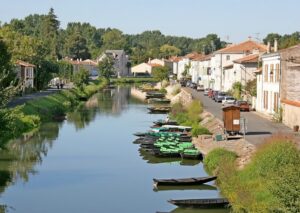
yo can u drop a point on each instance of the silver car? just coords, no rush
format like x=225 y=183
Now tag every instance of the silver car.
x=227 y=100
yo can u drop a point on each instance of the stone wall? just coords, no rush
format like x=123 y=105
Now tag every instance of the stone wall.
x=290 y=115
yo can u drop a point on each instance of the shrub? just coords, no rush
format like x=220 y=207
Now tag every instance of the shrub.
x=214 y=160
x=198 y=130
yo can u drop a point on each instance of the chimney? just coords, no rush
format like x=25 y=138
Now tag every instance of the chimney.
x=275 y=45
x=149 y=61
x=269 y=47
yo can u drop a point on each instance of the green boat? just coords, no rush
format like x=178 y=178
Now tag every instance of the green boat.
x=191 y=154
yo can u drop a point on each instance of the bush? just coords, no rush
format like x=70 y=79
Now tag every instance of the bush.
x=176 y=90
x=198 y=130
x=214 y=160
x=164 y=91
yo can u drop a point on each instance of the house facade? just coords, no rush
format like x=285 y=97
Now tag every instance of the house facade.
x=184 y=64
x=143 y=69
x=268 y=84
x=120 y=58
x=290 y=85
x=225 y=57
x=25 y=73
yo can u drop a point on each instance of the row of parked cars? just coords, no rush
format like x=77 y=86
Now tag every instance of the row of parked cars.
x=225 y=99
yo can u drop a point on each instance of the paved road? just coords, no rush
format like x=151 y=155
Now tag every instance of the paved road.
x=257 y=127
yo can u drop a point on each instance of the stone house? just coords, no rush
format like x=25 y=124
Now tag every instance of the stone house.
x=143 y=69
x=290 y=85
x=121 y=60
x=90 y=65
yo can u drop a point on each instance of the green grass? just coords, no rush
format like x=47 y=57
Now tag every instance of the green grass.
x=270 y=183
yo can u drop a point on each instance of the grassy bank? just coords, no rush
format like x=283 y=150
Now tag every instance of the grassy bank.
x=189 y=116
x=270 y=183
x=14 y=122
x=132 y=80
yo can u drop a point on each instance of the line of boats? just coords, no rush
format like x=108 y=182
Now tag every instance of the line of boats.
x=167 y=139
x=160 y=103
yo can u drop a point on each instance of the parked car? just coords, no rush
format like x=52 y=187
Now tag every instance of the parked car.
x=206 y=91
x=220 y=96
x=193 y=85
x=244 y=105
x=228 y=100
x=200 y=88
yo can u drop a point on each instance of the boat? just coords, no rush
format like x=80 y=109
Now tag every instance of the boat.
x=202 y=203
x=155 y=95
x=184 y=188
x=159 y=100
x=159 y=109
x=183 y=181
x=158 y=153
x=191 y=154
x=177 y=128
x=165 y=122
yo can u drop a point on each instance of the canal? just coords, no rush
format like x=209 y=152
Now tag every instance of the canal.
x=88 y=163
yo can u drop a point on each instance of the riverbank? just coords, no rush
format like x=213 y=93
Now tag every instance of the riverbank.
x=132 y=80
x=21 y=119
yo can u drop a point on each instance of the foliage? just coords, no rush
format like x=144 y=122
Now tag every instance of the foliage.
x=163 y=90
x=189 y=116
x=269 y=183
x=81 y=78
x=161 y=73
x=76 y=47
x=251 y=87
x=237 y=90
x=214 y=159
x=168 y=50
x=113 y=40
x=284 y=41
x=7 y=77
x=14 y=122
x=176 y=89
x=131 y=80
x=187 y=67
x=106 y=67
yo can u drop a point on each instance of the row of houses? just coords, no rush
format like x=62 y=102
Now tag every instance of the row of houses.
x=277 y=74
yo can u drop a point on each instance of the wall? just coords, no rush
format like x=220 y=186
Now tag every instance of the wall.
x=290 y=115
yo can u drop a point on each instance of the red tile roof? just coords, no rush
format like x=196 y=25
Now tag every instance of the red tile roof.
x=155 y=65
x=248 y=59
x=23 y=63
x=246 y=46
x=193 y=55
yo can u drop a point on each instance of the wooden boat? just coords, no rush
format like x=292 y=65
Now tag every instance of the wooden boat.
x=155 y=95
x=184 y=188
x=159 y=109
x=183 y=181
x=197 y=156
x=165 y=122
x=201 y=203
x=158 y=153
x=159 y=100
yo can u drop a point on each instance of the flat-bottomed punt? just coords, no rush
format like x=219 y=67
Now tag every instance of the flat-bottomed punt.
x=201 y=203
x=183 y=181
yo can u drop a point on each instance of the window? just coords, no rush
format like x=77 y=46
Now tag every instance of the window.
x=277 y=73
x=227 y=57
x=266 y=73
x=272 y=73
x=265 y=99
x=276 y=97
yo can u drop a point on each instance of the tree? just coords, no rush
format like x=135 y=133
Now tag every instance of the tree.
x=114 y=40
x=251 y=87
x=271 y=37
x=169 y=50
x=76 y=47
x=106 y=67
x=81 y=78
x=7 y=87
x=161 y=73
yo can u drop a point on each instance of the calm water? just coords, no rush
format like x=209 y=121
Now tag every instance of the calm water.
x=88 y=163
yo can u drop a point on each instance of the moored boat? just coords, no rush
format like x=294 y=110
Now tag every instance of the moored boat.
x=159 y=101
x=159 y=109
x=201 y=203
x=183 y=181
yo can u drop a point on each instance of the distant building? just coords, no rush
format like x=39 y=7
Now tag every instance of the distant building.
x=89 y=65
x=25 y=72
x=224 y=58
x=144 y=69
x=185 y=62
x=121 y=68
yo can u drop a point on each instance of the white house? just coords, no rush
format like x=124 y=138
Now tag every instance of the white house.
x=225 y=57
x=268 y=84
x=143 y=69
x=120 y=61
x=25 y=73
x=241 y=70
x=185 y=63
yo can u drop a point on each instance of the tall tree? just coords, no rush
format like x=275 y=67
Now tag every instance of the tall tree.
x=76 y=47
x=114 y=39
x=169 y=50
x=161 y=73
x=50 y=26
x=271 y=37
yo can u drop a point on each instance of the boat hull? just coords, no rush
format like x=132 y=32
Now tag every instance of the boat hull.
x=201 y=203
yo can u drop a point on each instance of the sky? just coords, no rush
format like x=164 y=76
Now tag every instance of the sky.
x=233 y=20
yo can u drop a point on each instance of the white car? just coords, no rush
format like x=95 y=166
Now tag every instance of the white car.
x=228 y=100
